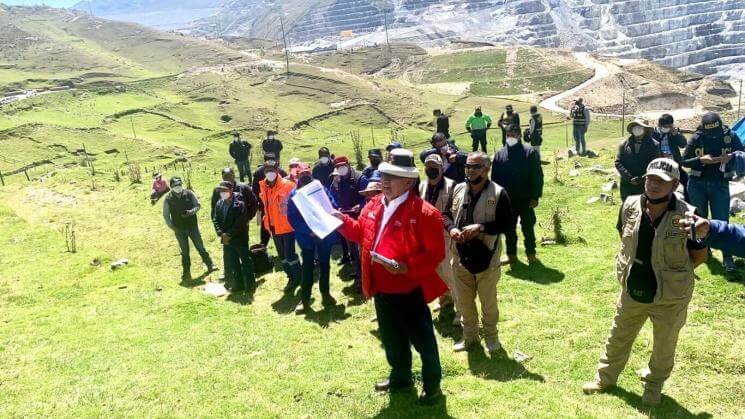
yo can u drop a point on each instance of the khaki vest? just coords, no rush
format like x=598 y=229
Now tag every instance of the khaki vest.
x=443 y=197
x=671 y=263
x=483 y=213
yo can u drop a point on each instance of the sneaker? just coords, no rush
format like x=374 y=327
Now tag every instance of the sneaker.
x=508 y=259
x=594 y=387
x=729 y=264
x=493 y=345
x=431 y=397
x=387 y=385
x=651 y=397
x=328 y=301
x=463 y=345
x=302 y=307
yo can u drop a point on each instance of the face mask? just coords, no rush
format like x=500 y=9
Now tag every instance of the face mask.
x=324 y=160
x=656 y=201
x=225 y=195
x=637 y=131
x=432 y=172
x=664 y=130
x=178 y=189
x=271 y=176
x=271 y=137
x=343 y=171
x=509 y=112
x=375 y=162
x=444 y=149
x=511 y=141
x=478 y=113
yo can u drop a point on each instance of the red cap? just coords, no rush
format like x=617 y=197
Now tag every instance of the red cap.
x=303 y=168
x=341 y=161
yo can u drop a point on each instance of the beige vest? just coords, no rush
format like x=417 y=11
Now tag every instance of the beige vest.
x=445 y=193
x=671 y=262
x=483 y=213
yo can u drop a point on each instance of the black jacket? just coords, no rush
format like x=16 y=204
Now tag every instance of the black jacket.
x=322 y=172
x=443 y=125
x=631 y=164
x=239 y=150
x=675 y=140
x=703 y=143
x=457 y=170
x=232 y=220
x=272 y=146
x=505 y=120
x=518 y=170
x=244 y=193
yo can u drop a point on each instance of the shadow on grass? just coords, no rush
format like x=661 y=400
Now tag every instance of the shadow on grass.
x=354 y=294
x=195 y=282
x=500 y=367
x=327 y=315
x=536 y=272
x=245 y=297
x=347 y=272
x=444 y=324
x=286 y=304
x=403 y=404
x=716 y=268
x=669 y=408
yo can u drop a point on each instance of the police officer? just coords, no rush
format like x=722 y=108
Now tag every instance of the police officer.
x=477 y=124
x=453 y=160
x=707 y=155
x=508 y=118
x=655 y=268
x=580 y=116
x=535 y=129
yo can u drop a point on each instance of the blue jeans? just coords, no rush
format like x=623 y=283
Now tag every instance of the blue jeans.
x=285 y=244
x=323 y=254
x=244 y=170
x=578 y=132
x=715 y=194
x=183 y=236
x=405 y=320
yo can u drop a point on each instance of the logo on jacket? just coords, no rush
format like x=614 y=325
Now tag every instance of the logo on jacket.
x=727 y=139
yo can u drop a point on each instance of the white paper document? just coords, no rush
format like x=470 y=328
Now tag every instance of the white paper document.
x=315 y=207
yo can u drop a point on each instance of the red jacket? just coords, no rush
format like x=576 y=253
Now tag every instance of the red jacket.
x=413 y=235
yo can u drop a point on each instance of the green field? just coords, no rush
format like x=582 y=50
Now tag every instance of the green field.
x=78 y=339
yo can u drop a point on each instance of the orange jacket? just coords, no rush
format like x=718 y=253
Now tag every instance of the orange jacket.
x=274 y=199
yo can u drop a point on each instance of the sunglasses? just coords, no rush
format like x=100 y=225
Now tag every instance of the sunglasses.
x=474 y=166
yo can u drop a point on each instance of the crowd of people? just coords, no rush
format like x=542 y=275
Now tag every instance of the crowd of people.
x=412 y=241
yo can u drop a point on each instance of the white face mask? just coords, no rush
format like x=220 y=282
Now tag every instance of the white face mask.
x=343 y=171
x=271 y=137
x=325 y=160
x=511 y=141
x=271 y=176
x=178 y=189
x=665 y=130
x=225 y=195
x=637 y=131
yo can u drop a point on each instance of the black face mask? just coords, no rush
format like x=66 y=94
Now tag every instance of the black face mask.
x=509 y=112
x=375 y=162
x=432 y=172
x=656 y=201
x=477 y=113
x=304 y=180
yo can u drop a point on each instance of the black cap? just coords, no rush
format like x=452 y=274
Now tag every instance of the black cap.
x=270 y=164
x=393 y=145
x=508 y=107
x=665 y=119
x=375 y=152
x=269 y=156
x=437 y=137
x=711 y=121
x=324 y=151
x=175 y=181
x=225 y=186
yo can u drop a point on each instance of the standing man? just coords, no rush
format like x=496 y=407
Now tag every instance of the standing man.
x=240 y=151
x=375 y=157
x=345 y=190
x=231 y=225
x=634 y=155
x=535 y=129
x=453 y=160
x=477 y=214
x=258 y=176
x=390 y=147
x=509 y=118
x=401 y=248
x=517 y=168
x=477 y=124
x=180 y=208
x=271 y=144
x=244 y=192
x=442 y=123
x=438 y=191
x=274 y=192
x=655 y=268
x=671 y=140
x=312 y=249
x=580 y=116
x=708 y=156
x=323 y=168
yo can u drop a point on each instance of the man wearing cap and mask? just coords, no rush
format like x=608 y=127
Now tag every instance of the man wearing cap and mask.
x=509 y=118
x=180 y=208
x=258 y=176
x=477 y=214
x=323 y=168
x=274 y=191
x=671 y=140
x=345 y=189
x=231 y=219
x=438 y=191
x=402 y=245
x=240 y=151
x=453 y=160
x=477 y=124
x=244 y=192
x=708 y=156
x=375 y=157
x=271 y=144
x=312 y=249
x=517 y=168
x=655 y=269
x=634 y=155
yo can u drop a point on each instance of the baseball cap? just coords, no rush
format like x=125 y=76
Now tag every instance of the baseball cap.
x=434 y=158
x=666 y=169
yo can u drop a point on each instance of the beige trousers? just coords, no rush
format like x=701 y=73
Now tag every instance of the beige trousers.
x=484 y=286
x=445 y=270
x=667 y=320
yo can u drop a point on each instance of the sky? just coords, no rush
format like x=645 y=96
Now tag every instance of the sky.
x=52 y=3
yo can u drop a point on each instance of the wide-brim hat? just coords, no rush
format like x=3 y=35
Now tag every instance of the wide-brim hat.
x=639 y=123
x=372 y=187
x=401 y=164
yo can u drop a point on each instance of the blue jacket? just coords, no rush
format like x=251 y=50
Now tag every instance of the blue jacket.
x=729 y=238
x=303 y=234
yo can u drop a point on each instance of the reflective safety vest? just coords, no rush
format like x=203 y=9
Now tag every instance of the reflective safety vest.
x=274 y=198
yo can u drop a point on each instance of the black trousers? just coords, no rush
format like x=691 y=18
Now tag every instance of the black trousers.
x=239 y=267
x=527 y=224
x=405 y=320
x=478 y=136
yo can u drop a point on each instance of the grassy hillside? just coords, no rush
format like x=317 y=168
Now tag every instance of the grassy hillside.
x=79 y=339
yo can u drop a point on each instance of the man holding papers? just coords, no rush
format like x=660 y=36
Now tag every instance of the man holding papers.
x=402 y=245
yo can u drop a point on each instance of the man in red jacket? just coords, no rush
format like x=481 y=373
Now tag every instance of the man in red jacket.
x=402 y=245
